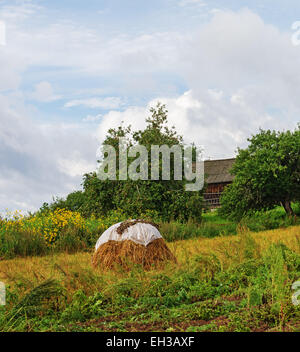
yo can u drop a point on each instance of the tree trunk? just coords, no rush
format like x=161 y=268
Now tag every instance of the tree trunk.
x=287 y=207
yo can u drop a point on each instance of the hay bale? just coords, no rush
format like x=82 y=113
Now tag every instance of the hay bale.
x=127 y=253
x=126 y=224
x=131 y=242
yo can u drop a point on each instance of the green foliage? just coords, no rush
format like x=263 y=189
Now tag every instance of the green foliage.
x=250 y=296
x=75 y=201
x=136 y=197
x=267 y=173
x=44 y=299
x=269 y=220
x=83 y=307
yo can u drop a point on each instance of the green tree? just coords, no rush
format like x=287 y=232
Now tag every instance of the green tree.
x=168 y=198
x=75 y=201
x=267 y=173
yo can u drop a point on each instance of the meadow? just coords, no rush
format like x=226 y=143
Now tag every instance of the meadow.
x=225 y=283
x=62 y=230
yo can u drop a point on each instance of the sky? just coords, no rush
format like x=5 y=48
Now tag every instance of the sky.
x=70 y=70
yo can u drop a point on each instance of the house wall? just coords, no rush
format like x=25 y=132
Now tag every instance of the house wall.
x=213 y=193
x=216 y=187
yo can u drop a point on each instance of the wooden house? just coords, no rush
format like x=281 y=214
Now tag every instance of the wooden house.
x=217 y=177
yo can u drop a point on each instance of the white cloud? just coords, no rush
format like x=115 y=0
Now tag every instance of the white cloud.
x=216 y=94
x=215 y=10
x=237 y=99
x=134 y=116
x=19 y=11
x=92 y=118
x=220 y=124
x=241 y=74
x=76 y=166
x=31 y=156
x=187 y=101
x=44 y=92
x=184 y=3
x=103 y=103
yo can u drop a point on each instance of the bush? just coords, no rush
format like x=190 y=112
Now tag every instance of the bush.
x=268 y=220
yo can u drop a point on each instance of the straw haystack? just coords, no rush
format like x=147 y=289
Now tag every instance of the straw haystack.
x=131 y=242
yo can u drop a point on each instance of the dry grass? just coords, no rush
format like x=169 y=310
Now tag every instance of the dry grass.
x=75 y=270
x=127 y=253
x=230 y=249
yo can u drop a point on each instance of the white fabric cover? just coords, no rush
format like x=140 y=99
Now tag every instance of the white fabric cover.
x=139 y=233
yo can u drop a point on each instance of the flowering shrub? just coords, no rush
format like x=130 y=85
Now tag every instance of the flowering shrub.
x=60 y=228
x=48 y=225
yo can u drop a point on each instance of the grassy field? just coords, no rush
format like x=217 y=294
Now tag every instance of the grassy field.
x=227 y=283
x=65 y=231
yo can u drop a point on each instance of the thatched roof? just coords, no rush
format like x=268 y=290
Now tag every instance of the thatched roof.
x=217 y=171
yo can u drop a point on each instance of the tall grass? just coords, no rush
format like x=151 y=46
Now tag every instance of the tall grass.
x=244 y=280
